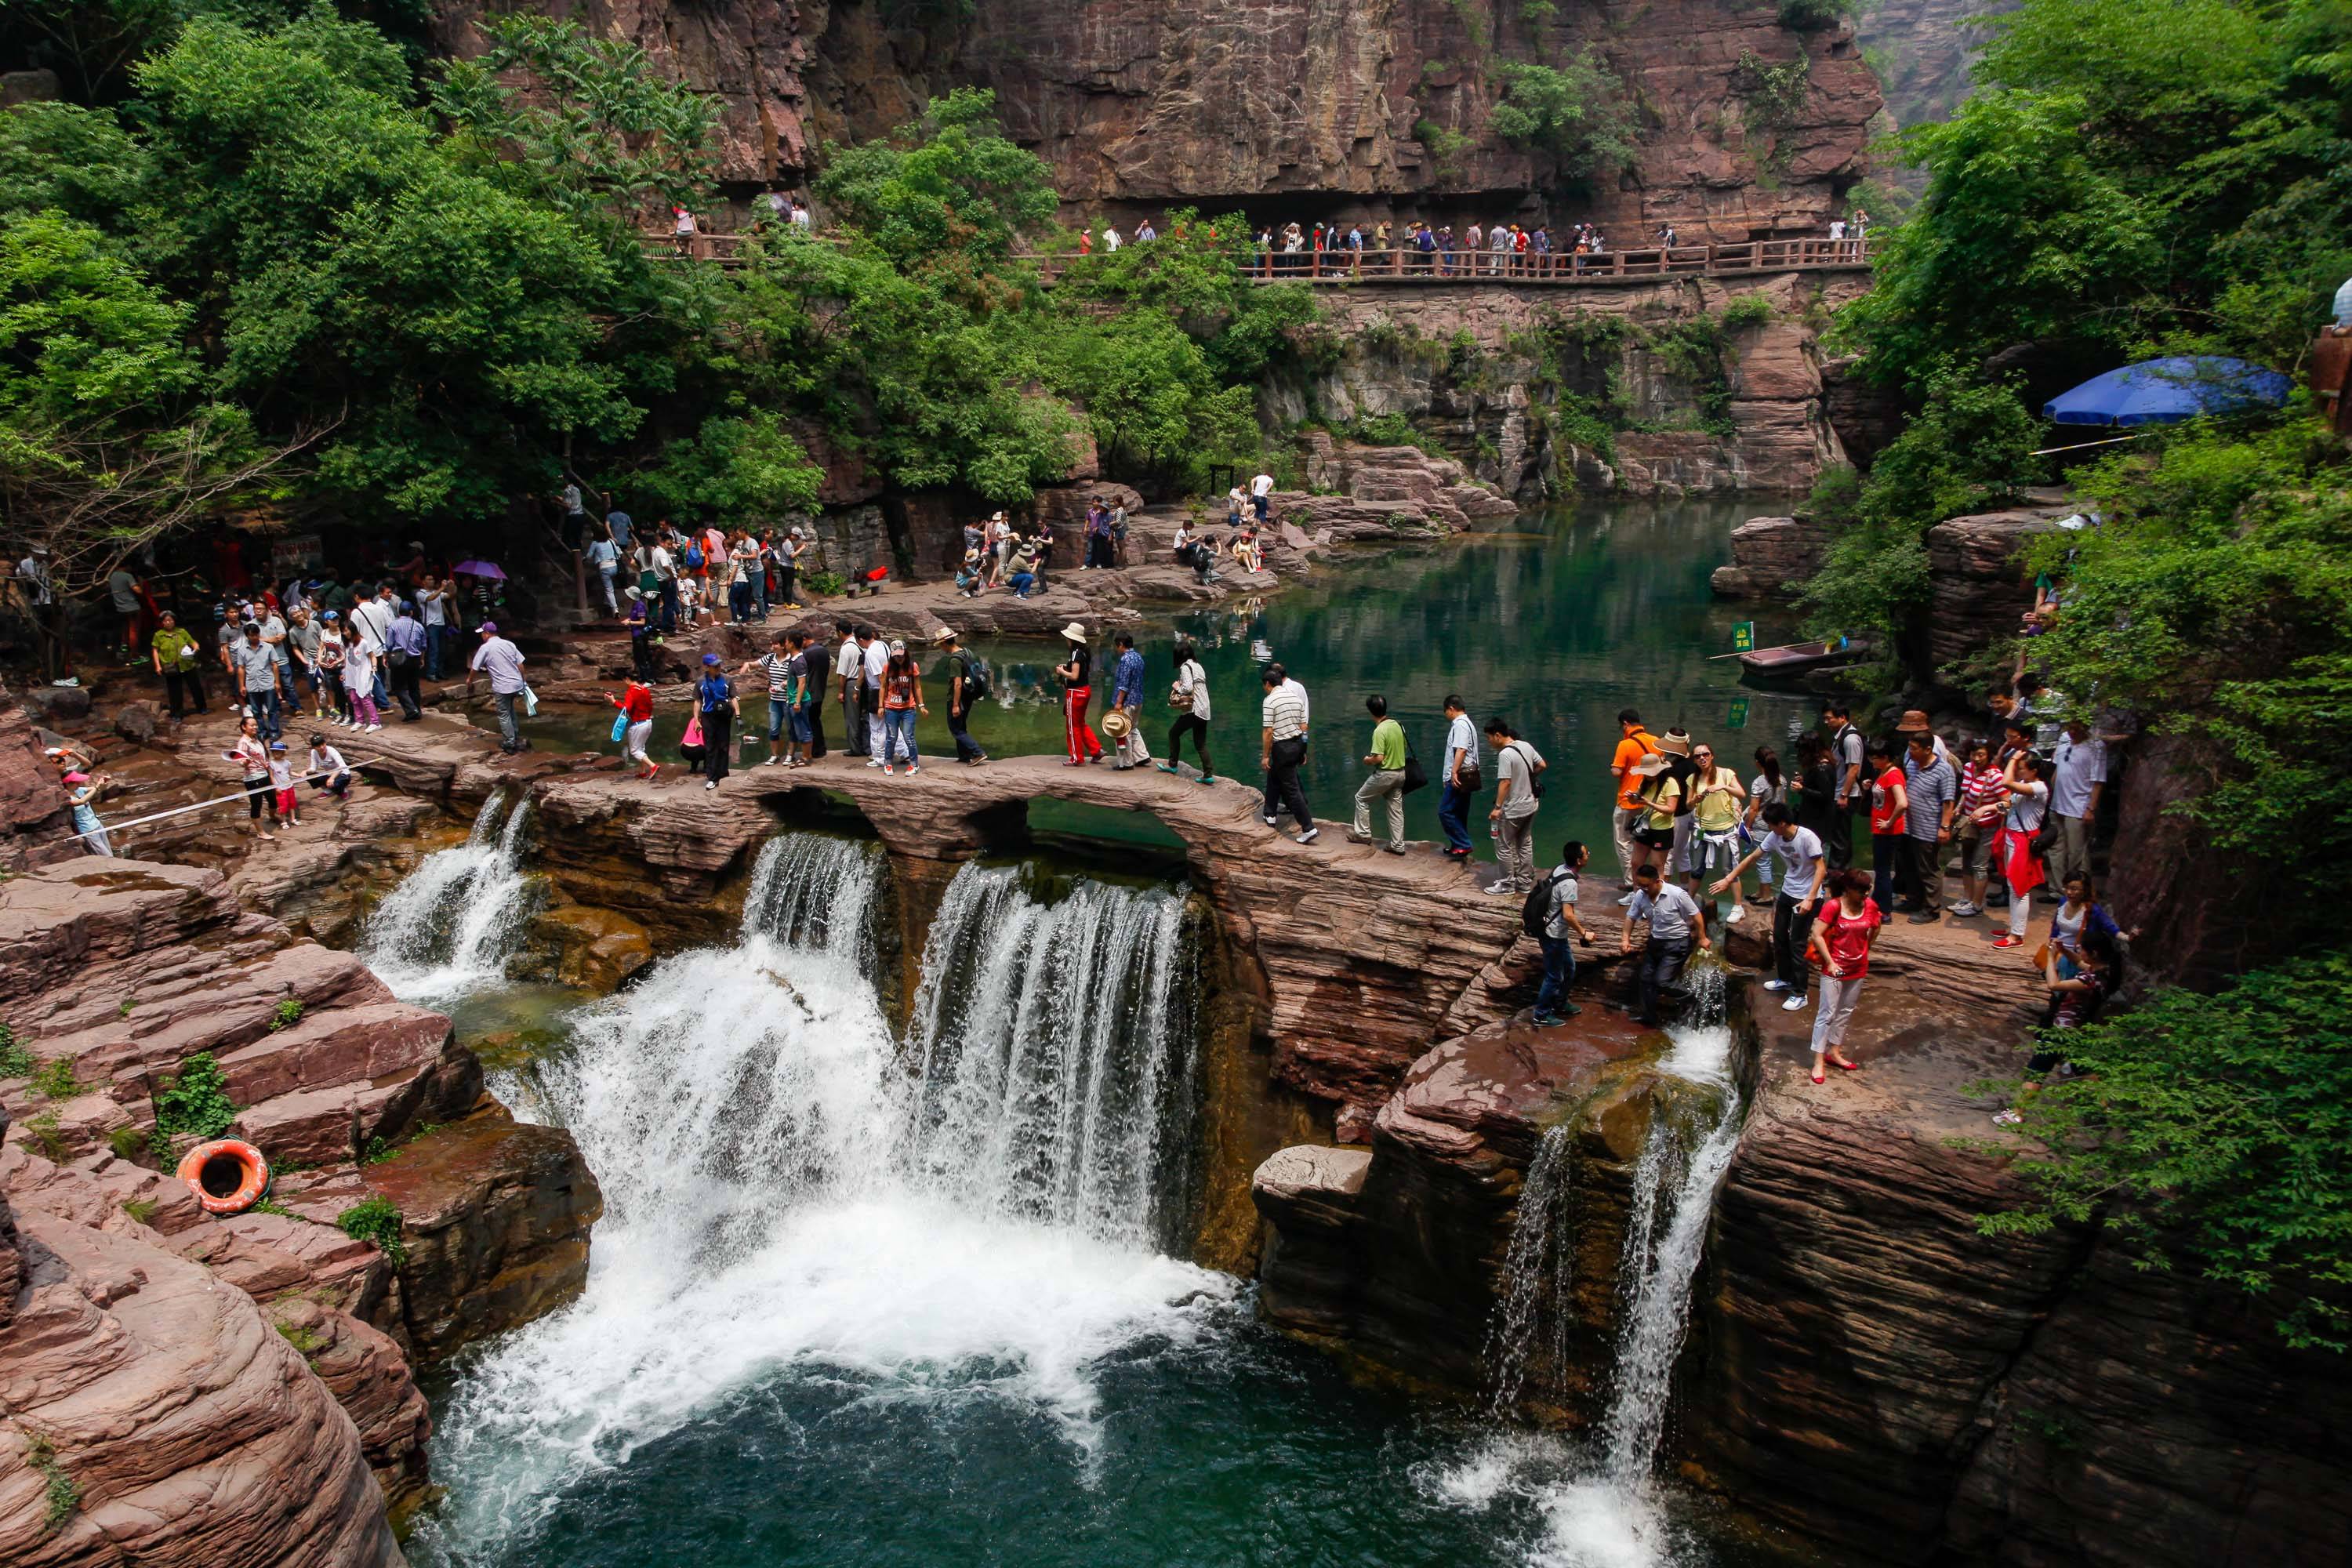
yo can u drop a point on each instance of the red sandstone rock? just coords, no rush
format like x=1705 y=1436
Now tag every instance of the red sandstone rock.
x=1771 y=555
x=1980 y=588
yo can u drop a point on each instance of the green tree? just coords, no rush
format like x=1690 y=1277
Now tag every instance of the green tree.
x=948 y=189
x=1576 y=112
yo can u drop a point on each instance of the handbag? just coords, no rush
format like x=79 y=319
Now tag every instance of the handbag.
x=693 y=736
x=620 y=728
x=1468 y=779
x=1415 y=775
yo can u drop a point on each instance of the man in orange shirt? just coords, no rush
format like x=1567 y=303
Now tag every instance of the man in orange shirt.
x=1633 y=745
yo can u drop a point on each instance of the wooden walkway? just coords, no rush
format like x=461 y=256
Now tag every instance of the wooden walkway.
x=1417 y=268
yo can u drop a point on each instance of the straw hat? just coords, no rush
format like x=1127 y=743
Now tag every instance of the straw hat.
x=1915 y=722
x=1675 y=743
x=1648 y=767
x=945 y=634
x=1116 y=724
x=1076 y=631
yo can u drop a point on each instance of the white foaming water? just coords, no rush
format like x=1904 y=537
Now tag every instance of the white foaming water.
x=783 y=1201
x=450 y=927
x=1598 y=1501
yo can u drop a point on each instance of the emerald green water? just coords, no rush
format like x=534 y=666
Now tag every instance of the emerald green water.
x=1555 y=622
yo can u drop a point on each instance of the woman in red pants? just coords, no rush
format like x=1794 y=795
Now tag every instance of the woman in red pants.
x=1076 y=693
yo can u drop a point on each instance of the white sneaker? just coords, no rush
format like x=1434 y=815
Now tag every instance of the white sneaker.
x=1307 y=836
x=914 y=767
x=873 y=762
x=1500 y=888
x=768 y=761
x=371 y=728
x=1776 y=985
x=710 y=783
x=1793 y=1005
x=1626 y=900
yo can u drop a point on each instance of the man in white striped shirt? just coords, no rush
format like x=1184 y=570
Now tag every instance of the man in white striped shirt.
x=1283 y=716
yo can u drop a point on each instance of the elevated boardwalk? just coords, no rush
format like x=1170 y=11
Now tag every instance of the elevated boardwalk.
x=1408 y=268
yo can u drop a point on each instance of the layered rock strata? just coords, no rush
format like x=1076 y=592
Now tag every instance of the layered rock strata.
x=1772 y=556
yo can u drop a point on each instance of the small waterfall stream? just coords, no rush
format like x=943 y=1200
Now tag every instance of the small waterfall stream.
x=450 y=926
x=801 y=1214
x=1598 y=1495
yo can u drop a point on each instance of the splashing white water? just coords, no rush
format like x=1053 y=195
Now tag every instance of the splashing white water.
x=450 y=927
x=783 y=1201
x=1599 y=1499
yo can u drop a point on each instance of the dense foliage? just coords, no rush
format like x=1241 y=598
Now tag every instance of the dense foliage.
x=2228 y=1120
x=2131 y=179
x=289 y=265
x=1576 y=112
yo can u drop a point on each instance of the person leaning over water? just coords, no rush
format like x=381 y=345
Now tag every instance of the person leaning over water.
x=1676 y=922
x=1385 y=781
x=1802 y=880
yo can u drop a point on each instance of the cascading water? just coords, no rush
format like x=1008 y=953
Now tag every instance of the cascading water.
x=1598 y=1501
x=799 y=1217
x=451 y=927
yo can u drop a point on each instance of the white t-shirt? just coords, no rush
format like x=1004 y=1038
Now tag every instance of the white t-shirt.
x=1263 y=485
x=434 y=615
x=1670 y=911
x=327 y=760
x=1764 y=792
x=1515 y=761
x=2025 y=809
x=281 y=772
x=1797 y=857
x=877 y=659
x=2078 y=767
x=1193 y=681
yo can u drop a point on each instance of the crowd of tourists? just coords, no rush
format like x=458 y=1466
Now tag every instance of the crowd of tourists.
x=672 y=577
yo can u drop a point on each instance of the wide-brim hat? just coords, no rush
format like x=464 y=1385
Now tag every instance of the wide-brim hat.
x=1116 y=723
x=1674 y=743
x=1648 y=767
x=1915 y=722
x=1076 y=631
x=945 y=634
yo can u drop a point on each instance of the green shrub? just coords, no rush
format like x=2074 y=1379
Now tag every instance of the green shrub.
x=128 y=1142
x=306 y=1341
x=140 y=1209
x=54 y=1080
x=45 y=1136
x=1811 y=15
x=2215 y=1129
x=1577 y=111
x=1748 y=310
x=195 y=1104
x=63 y=1495
x=376 y=1220
x=15 y=1061
x=288 y=1014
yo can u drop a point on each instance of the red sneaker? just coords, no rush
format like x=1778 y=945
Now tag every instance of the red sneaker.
x=2009 y=938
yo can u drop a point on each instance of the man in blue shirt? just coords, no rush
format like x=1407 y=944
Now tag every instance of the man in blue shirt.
x=1127 y=696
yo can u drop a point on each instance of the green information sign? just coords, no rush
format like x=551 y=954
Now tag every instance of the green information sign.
x=1743 y=637
x=1737 y=718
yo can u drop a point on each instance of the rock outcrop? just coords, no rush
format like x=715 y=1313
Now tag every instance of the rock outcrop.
x=34 y=819
x=1136 y=107
x=1980 y=588
x=1771 y=555
x=153 y=1415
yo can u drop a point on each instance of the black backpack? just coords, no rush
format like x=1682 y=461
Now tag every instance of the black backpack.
x=1535 y=912
x=975 y=683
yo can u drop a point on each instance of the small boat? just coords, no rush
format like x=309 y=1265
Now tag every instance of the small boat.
x=1800 y=659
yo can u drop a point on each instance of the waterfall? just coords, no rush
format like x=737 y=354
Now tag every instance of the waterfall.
x=1055 y=1069
x=802 y=1213
x=1600 y=1504
x=1539 y=1256
x=450 y=927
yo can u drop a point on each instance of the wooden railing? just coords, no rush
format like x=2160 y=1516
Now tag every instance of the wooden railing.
x=1411 y=267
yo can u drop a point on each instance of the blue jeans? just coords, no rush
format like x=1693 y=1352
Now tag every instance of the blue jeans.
x=897 y=731
x=435 y=639
x=1023 y=585
x=669 y=604
x=780 y=714
x=268 y=713
x=1560 y=971
x=739 y=601
x=1887 y=852
x=1454 y=814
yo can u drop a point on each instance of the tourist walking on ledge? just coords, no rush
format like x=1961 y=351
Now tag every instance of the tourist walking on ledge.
x=966 y=687
x=1127 y=696
x=1633 y=743
x=637 y=705
x=775 y=669
x=874 y=658
x=902 y=699
x=503 y=662
x=1385 y=782
x=849 y=668
x=1282 y=749
x=1848 y=925
x=1076 y=674
x=1189 y=697
x=1676 y=923
x=1559 y=917
x=1802 y=878
x=1459 y=779
x=1517 y=766
x=717 y=705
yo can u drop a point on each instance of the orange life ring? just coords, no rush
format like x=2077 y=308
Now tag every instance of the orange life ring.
x=227 y=1174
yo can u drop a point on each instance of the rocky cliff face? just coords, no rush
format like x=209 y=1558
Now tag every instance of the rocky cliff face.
x=1306 y=108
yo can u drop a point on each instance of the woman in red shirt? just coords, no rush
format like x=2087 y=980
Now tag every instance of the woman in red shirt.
x=1890 y=804
x=636 y=706
x=1842 y=936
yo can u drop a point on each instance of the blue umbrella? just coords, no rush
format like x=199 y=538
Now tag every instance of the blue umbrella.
x=2162 y=390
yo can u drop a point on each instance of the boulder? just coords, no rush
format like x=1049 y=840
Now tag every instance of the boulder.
x=1980 y=589
x=137 y=722
x=55 y=705
x=1771 y=555
x=587 y=948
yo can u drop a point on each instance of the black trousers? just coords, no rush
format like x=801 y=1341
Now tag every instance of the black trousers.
x=1661 y=967
x=1282 y=786
x=1191 y=724
x=1790 y=932
x=1837 y=843
x=719 y=742
x=190 y=682
x=815 y=712
x=641 y=654
x=405 y=689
